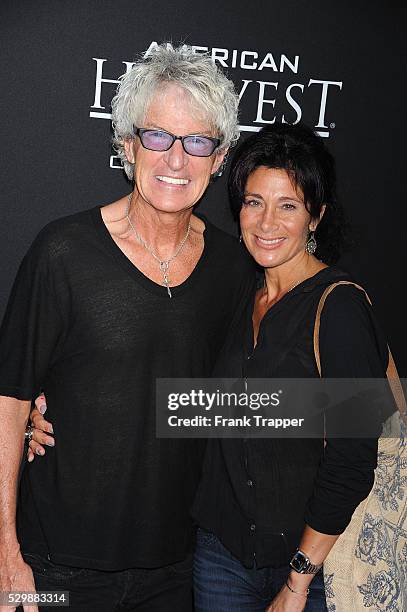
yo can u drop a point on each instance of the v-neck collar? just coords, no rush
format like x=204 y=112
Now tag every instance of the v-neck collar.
x=325 y=276
x=127 y=265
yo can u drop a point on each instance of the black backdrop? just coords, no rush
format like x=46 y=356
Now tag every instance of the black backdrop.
x=338 y=64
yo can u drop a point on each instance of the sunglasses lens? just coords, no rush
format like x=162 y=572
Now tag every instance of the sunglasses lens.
x=199 y=145
x=156 y=140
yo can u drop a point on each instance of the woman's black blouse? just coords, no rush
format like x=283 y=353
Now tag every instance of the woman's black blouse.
x=257 y=495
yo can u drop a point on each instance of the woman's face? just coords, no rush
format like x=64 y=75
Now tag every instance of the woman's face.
x=173 y=180
x=274 y=221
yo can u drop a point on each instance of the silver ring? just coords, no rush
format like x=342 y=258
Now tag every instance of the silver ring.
x=29 y=432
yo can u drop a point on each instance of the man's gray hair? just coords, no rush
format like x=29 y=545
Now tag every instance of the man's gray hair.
x=212 y=94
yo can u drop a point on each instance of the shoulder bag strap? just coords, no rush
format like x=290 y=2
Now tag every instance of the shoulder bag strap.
x=391 y=373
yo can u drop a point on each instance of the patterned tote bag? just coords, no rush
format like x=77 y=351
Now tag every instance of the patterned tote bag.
x=367 y=567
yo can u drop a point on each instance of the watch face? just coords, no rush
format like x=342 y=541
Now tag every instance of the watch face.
x=298 y=561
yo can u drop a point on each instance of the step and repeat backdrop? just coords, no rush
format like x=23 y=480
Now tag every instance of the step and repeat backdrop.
x=338 y=66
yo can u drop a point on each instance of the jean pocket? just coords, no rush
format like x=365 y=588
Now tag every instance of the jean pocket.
x=45 y=568
x=207 y=539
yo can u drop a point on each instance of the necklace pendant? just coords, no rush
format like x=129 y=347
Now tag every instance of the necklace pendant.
x=164 y=265
x=166 y=284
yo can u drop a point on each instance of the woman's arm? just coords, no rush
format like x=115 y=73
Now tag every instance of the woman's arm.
x=351 y=346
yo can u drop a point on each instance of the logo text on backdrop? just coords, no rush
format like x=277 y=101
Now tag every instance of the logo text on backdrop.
x=265 y=100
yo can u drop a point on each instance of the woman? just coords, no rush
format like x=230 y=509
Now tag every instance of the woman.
x=106 y=301
x=261 y=499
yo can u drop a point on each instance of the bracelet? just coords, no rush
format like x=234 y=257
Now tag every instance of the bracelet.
x=297 y=592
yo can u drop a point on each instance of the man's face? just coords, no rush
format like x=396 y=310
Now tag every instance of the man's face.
x=173 y=180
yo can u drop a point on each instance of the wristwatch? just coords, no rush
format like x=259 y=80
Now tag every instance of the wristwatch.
x=302 y=565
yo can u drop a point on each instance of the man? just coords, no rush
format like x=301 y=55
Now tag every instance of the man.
x=105 y=302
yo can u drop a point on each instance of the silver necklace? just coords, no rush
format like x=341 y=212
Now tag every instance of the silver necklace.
x=163 y=263
x=295 y=284
x=289 y=289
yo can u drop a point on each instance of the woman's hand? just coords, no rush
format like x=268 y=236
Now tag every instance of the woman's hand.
x=40 y=431
x=286 y=601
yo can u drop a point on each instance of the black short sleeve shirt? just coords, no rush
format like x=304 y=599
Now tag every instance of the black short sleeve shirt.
x=94 y=333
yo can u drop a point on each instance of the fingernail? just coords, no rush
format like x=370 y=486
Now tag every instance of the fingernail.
x=30 y=458
x=50 y=429
x=43 y=408
x=50 y=443
x=40 y=451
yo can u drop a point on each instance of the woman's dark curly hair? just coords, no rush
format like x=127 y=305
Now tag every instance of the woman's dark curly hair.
x=299 y=151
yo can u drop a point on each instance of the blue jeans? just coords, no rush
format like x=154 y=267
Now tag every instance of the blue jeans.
x=223 y=584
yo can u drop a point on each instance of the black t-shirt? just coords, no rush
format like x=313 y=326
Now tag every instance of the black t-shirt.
x=257 y=494
x=87 y=327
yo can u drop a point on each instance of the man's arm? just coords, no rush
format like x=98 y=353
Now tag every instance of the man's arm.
x=15 y=574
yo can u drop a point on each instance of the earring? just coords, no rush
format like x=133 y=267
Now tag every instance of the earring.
x=221 y=168
x=311 y=244
x=240 y=238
